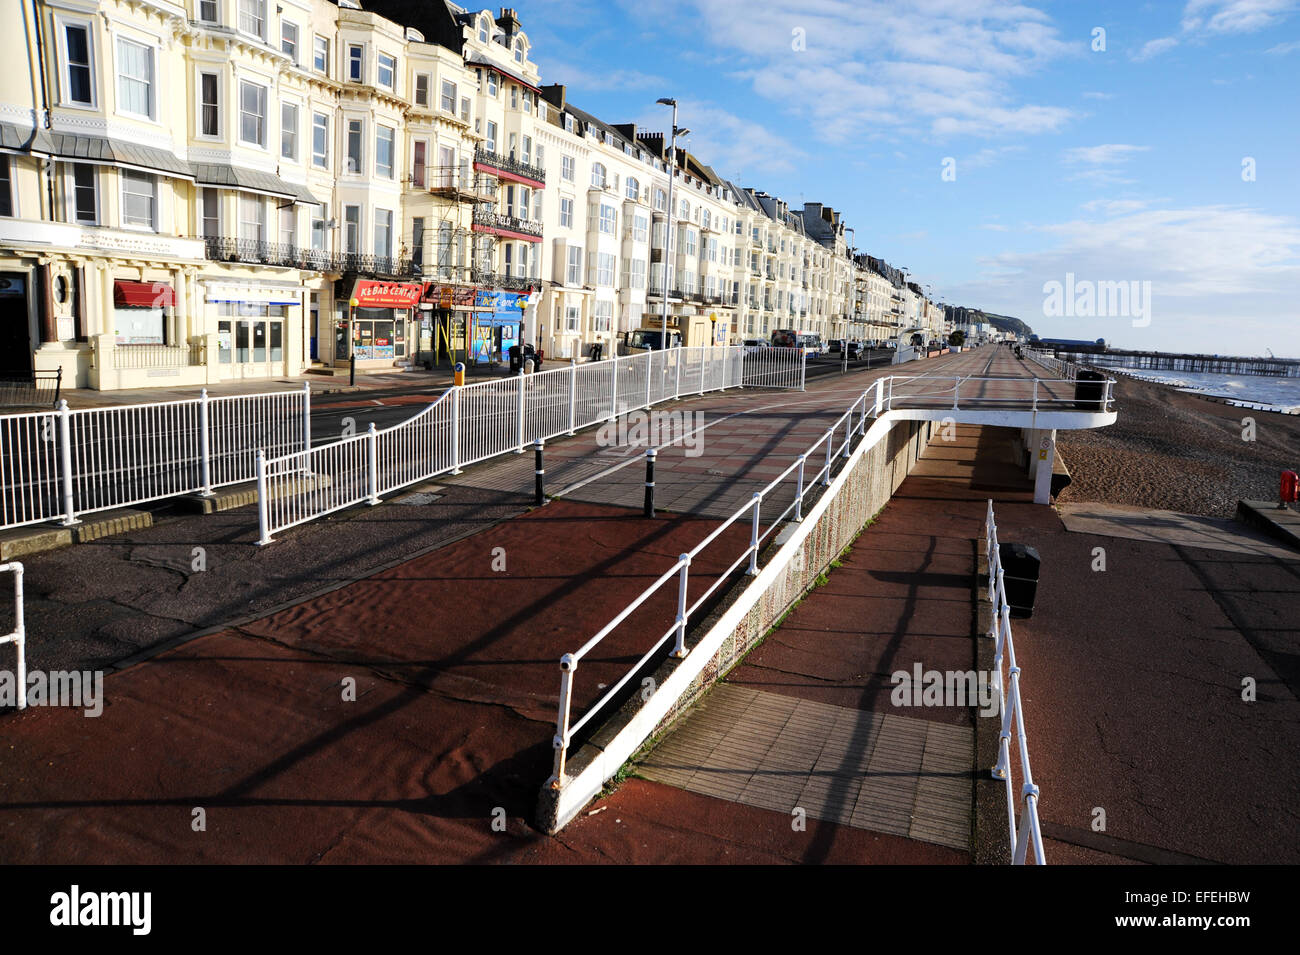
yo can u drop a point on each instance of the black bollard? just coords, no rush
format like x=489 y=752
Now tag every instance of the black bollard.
x=650 y=483
x=539 y=473
x=352 y=369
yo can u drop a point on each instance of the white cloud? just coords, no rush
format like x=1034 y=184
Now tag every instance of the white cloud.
x=1235 y=16
x=936 y=67
x=1114 y=207
x=736 y=148
x=1223 y=278
x=579 y=78
x=1090 y=94
x=1155 y=48
x=1106 y=154
x=1282 y=49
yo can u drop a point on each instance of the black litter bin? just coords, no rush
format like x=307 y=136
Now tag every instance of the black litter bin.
x=516 y=359
x=1020 y=564
x=1089 y=390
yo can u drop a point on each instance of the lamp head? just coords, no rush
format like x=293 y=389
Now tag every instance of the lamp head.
x=681 y=132
x=667 y=102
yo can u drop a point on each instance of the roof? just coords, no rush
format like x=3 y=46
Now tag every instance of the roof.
x=484 y=62
x=231 y=177
x=98 y=149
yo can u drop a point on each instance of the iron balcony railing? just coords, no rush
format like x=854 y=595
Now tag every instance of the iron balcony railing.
x=509 y=164
x=30 y=388
x=488 y=219
x=283 y=255
x=513 y=283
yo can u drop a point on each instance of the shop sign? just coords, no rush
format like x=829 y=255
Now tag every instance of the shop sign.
x=370 y=294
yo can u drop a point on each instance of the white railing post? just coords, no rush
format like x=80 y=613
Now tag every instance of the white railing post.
x=561 y=739
x=306 y=418
x=573 y=395
x=1035 y=394
x=521 y=381
x=848 y=433
x=679 y=651
x=798 y=491
x=889 y=402
x=862 y=425
x=753 y=535
x=613 y=388
x=455 y=429
x=19 y=636
x=205 y=446
x=263 y=503
x=649 y=367
x=956 y=389
x=372 y=455
x=705 y=352
x=803 y=369
x=880 y=396
x=65 y=461
x=830 y=443
x=677 y=387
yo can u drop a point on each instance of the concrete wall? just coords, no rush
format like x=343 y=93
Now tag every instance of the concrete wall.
x=874 y=471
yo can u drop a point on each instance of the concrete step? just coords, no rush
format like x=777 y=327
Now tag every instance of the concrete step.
x=37 y=539
x=1280 y=522
x=241 y=495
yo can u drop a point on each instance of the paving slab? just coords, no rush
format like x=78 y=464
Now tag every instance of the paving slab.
x=1171 y=527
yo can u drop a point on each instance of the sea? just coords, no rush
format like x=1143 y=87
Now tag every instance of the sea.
x=1260 y=392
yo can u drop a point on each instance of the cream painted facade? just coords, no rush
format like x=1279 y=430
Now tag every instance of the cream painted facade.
x=196 y=192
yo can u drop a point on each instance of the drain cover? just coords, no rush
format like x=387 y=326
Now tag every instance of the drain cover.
x=421 y=498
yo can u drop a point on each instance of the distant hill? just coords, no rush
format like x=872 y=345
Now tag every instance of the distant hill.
x=1008 y=323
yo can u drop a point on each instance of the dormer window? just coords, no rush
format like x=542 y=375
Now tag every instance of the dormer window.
x=519 y=51
x=484 y=29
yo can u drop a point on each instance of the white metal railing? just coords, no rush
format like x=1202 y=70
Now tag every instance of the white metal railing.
x=1063 y=369
x=1029 y=831
x=472 y=423
x=128 y=357
x=18 y=637
x=835 y=443
x=974 y=392
x=63 y=463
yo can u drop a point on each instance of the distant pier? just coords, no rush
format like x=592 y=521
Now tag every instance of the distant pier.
x=1160 y=361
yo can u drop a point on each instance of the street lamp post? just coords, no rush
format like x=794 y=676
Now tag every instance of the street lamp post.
x=668 y=240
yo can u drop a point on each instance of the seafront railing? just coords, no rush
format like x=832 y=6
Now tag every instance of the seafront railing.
x=18 y=636
x=1065 y=369
x=1029 y=830
x=56 y=465
x=835 y=443
x=973 y=393
x=473 y=423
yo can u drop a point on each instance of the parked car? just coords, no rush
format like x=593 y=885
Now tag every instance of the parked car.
x=756 y=343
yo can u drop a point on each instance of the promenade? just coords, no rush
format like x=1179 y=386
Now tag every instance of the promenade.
x=405 y=713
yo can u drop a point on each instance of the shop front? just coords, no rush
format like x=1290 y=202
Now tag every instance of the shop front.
x=447 y=310
x=374 y=326
x=258 y=329
x=497 y=325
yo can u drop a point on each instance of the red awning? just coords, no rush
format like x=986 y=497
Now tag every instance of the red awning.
x=143 y=295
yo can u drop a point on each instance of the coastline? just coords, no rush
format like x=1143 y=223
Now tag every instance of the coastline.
x=1179 y=451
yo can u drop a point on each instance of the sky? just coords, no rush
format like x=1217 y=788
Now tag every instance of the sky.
x=1020 y=157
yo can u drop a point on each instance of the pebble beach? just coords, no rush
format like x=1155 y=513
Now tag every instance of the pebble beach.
x=1179 y=452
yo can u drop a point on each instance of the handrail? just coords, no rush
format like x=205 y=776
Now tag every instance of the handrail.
x=1029 y=830
x=565 y=729
x=19 y=635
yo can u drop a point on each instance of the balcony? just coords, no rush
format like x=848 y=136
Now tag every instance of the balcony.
x=456 y=184
x=258 y=252
x=513 y=283
x=508 y=167
x=282 y=255
x=508 y=226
